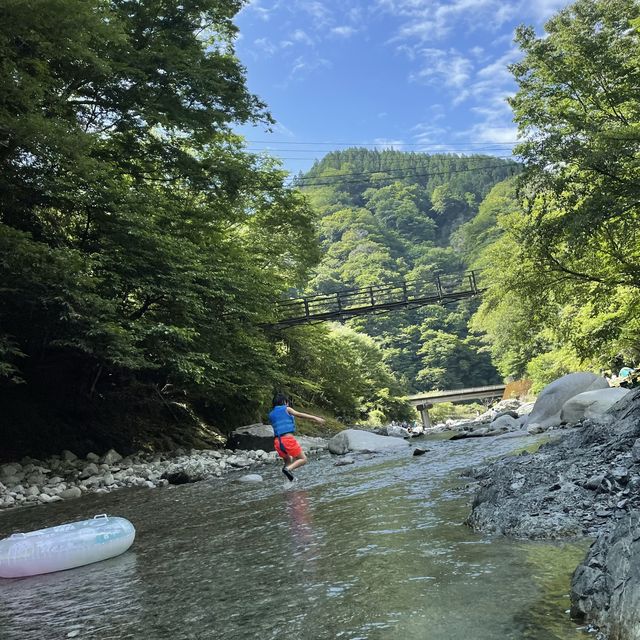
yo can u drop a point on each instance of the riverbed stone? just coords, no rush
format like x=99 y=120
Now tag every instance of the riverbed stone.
x=590 y=404
x=111 y=457
x=250 y=477
x=364 y=442
x=68 y=456
x=548 y=407
x=70 y=493
x=89 y=470
x=253 y=436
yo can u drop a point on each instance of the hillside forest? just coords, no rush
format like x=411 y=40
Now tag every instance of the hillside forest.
x=143 y=248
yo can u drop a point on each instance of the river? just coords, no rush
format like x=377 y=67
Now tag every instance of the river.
x=375 y=550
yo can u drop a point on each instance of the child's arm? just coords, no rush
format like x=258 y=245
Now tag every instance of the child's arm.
x=308 y=416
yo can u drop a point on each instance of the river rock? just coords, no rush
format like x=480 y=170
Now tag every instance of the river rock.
x=548 y=406
x=70 y=493
x=573 y=485
x=590 y=404
x=89 y=470
x=68 y=456
x=356 y=440
x=111 y=457
x=507 y=422
x=253 y=436
x=605 y=588
x=343 y=461
x=397 y=432
x=250 y=477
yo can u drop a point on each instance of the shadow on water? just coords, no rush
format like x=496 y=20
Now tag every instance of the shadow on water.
x=375 y=551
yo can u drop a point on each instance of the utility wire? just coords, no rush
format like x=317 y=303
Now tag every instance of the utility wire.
x=390 y=144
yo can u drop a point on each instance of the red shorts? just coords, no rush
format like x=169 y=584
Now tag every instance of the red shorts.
x=290 y=446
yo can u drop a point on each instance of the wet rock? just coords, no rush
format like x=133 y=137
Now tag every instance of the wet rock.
x=68 y=456
x=419 y=452
x=92 y=457
x=343 y=461
x=250 y=477
x=605 y=588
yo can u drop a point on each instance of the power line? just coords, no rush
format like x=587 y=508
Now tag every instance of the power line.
x=475 y=151
x=390 y=144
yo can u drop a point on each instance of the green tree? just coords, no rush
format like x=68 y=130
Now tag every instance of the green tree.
x=578 y=110
x=138 y=239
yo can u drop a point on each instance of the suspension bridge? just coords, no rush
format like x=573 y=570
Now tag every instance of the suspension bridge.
x=349 y=303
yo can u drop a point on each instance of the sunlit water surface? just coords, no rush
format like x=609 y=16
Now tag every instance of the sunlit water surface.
x=375 y=550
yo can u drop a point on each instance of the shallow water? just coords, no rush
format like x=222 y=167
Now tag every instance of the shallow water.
x=374 y=550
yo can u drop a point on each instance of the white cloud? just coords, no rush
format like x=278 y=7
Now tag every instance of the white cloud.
x=425 y=21
x=318 y=11
x=344 y=32
x=443 y=67
x=302 y=66
x=301 y=36
x=264 y=44
x=384 y=143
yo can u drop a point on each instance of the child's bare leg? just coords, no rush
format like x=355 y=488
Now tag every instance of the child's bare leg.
x=298 y=462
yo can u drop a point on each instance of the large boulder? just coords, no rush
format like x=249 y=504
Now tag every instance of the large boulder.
x=252 y=437
x=363 y=441
x=590 y=404
x=548 y=406
x=605 y=589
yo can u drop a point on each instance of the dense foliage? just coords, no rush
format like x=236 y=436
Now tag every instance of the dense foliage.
x=141 y=247
x=565 y=267
x=387 y=216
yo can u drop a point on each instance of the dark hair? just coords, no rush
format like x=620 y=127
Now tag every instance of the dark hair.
x=280 y=398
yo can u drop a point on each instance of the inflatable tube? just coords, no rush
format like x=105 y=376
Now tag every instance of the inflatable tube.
x=65 y=546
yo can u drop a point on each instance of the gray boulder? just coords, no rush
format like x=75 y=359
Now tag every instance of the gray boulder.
x=590 y=404
x=507 y=422
x=605 y=589
x=252 y=437
x=548 y=406
x=356 y=440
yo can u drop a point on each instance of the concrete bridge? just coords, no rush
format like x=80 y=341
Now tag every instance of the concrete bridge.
x=424 y=401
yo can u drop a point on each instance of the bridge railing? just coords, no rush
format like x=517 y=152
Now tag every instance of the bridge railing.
x=347 y=301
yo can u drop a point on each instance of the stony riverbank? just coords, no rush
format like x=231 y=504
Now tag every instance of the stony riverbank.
x=587 y=482
x=66 y=476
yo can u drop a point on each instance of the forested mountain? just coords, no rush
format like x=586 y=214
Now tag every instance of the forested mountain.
x=389 y=215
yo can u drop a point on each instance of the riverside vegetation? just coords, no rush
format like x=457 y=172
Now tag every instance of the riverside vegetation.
x=142 y=247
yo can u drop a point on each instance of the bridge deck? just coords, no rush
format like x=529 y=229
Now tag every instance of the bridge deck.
x=363 y=300
x=456 y=395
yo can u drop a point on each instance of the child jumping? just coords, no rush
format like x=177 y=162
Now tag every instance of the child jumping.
x=282 y=418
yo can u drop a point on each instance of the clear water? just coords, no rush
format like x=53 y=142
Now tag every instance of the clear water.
x=375 y=550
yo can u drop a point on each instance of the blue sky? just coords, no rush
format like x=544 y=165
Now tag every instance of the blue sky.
x=415 y=75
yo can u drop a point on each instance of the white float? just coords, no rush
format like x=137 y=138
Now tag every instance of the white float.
x=65 y=546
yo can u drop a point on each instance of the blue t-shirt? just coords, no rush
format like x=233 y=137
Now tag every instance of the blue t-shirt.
x=281 y=421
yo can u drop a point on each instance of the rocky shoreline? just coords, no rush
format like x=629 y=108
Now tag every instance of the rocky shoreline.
x=585 y=483
x=65 y=477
